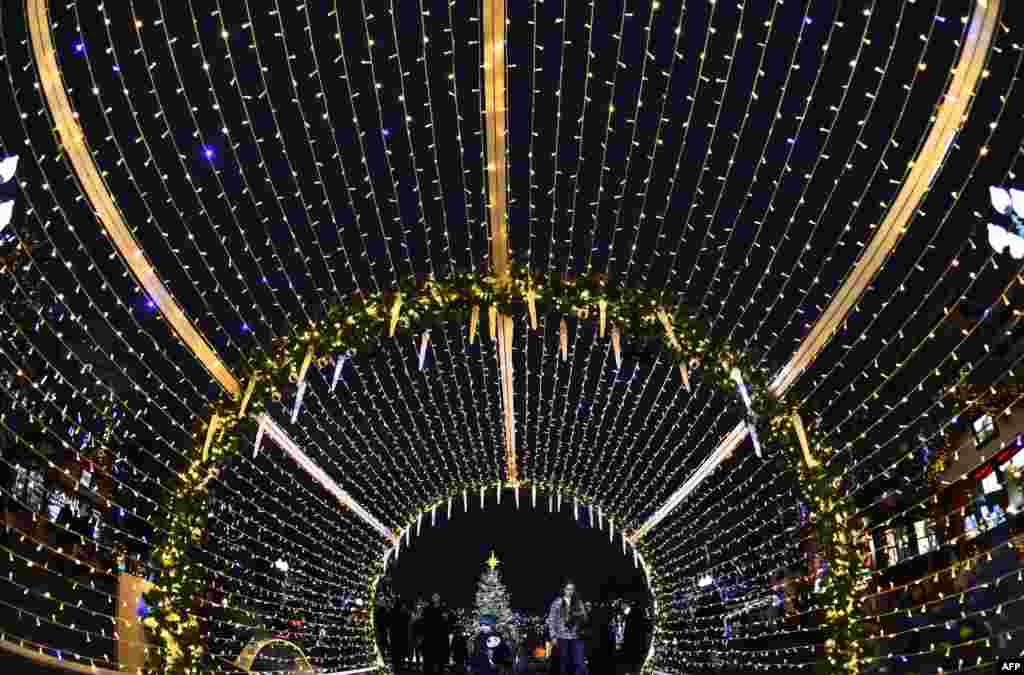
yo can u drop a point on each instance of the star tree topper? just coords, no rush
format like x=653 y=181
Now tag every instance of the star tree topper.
x=492 y=562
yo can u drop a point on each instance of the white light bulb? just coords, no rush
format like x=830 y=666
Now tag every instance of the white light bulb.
x=1017 y=199
x=6 y=213
x=1000 y=199
x=7 y=168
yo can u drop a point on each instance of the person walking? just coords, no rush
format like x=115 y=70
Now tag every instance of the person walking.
x=381 y=625
x=459 y=647
x=601 y=647
x=634 y=642
x=416 y=634
x=398 y=626
x=434 y=630
x=566 y=618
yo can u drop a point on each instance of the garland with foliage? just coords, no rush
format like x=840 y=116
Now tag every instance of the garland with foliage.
x=178 y=598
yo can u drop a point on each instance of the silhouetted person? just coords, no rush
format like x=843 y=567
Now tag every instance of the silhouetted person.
x=634 y=641
x=381 y=624
x=460 y=650
x=398 y=627
x=602 y=642
x=434 y=632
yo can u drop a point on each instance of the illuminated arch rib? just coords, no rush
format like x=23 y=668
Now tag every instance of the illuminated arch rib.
x=951 y=115
x=72 y=138
x=252 y=650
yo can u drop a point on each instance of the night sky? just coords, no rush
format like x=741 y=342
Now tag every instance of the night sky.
x=537 y=550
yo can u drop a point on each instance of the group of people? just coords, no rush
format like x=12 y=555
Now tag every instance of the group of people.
x=583 y=639
x=426 y=635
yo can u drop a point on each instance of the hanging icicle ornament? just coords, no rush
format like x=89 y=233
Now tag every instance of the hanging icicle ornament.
x=533 y=491
x=575 y=508
x=559 y=502
x=482 y=492
x=611 y=530
x=449 y=508
x=563 y=339
x=249 y=389
x=211 y=430
x=433 y=515
x=474 y=323
x=396 y=312
x=737 y=377
x=805 y=447
x=531 y=306
x=262 y=429
x=419 y=523
x=301 y=392
x=590 y=510
x=602 y=317
x=670 y=335
x=339 y=364
x=516 y=488
x=600 y=518
x=617 y=346
x=492 y=321
x=465 y=501
x=551 y=504
x=623 y=533
x=498 y=490
x=685 y=373
x=424 y=341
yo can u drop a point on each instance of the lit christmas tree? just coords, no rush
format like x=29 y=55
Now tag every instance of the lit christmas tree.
x=492 y=598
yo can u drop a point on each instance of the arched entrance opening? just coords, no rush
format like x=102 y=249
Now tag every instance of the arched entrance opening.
x=535 y=543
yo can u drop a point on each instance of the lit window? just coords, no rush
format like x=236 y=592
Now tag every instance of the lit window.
x=990 y=483
x=926 y=539
x=984 y=430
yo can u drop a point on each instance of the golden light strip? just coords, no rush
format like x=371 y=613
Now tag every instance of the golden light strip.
x=951 y=116
x=497 y=189
x=73 y=140
x=72 y=137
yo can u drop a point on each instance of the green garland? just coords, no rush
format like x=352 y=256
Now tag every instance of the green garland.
x=177 y=601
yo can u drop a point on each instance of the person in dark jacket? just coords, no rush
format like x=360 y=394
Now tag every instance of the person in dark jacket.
x=634 y=641
x=492 y=654
x=381 y=625
x=398 y=627
x=434 y=629
x=601 y=649
x=460 y=650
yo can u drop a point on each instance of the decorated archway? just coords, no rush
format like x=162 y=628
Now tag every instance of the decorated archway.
x=775 y=426
x=291 y=232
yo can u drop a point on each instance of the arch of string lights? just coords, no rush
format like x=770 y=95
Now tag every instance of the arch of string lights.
x=271 y=159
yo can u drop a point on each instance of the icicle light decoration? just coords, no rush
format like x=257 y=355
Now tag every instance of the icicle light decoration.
x=424 y=341
x=563 y=339
x=301 y=392
x=737 y=377
x=339 y=364
x=396 y=312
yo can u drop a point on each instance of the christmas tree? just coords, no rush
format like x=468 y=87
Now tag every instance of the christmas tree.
x=492 y=598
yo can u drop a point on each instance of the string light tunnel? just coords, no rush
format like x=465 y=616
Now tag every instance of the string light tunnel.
x=192 y=194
